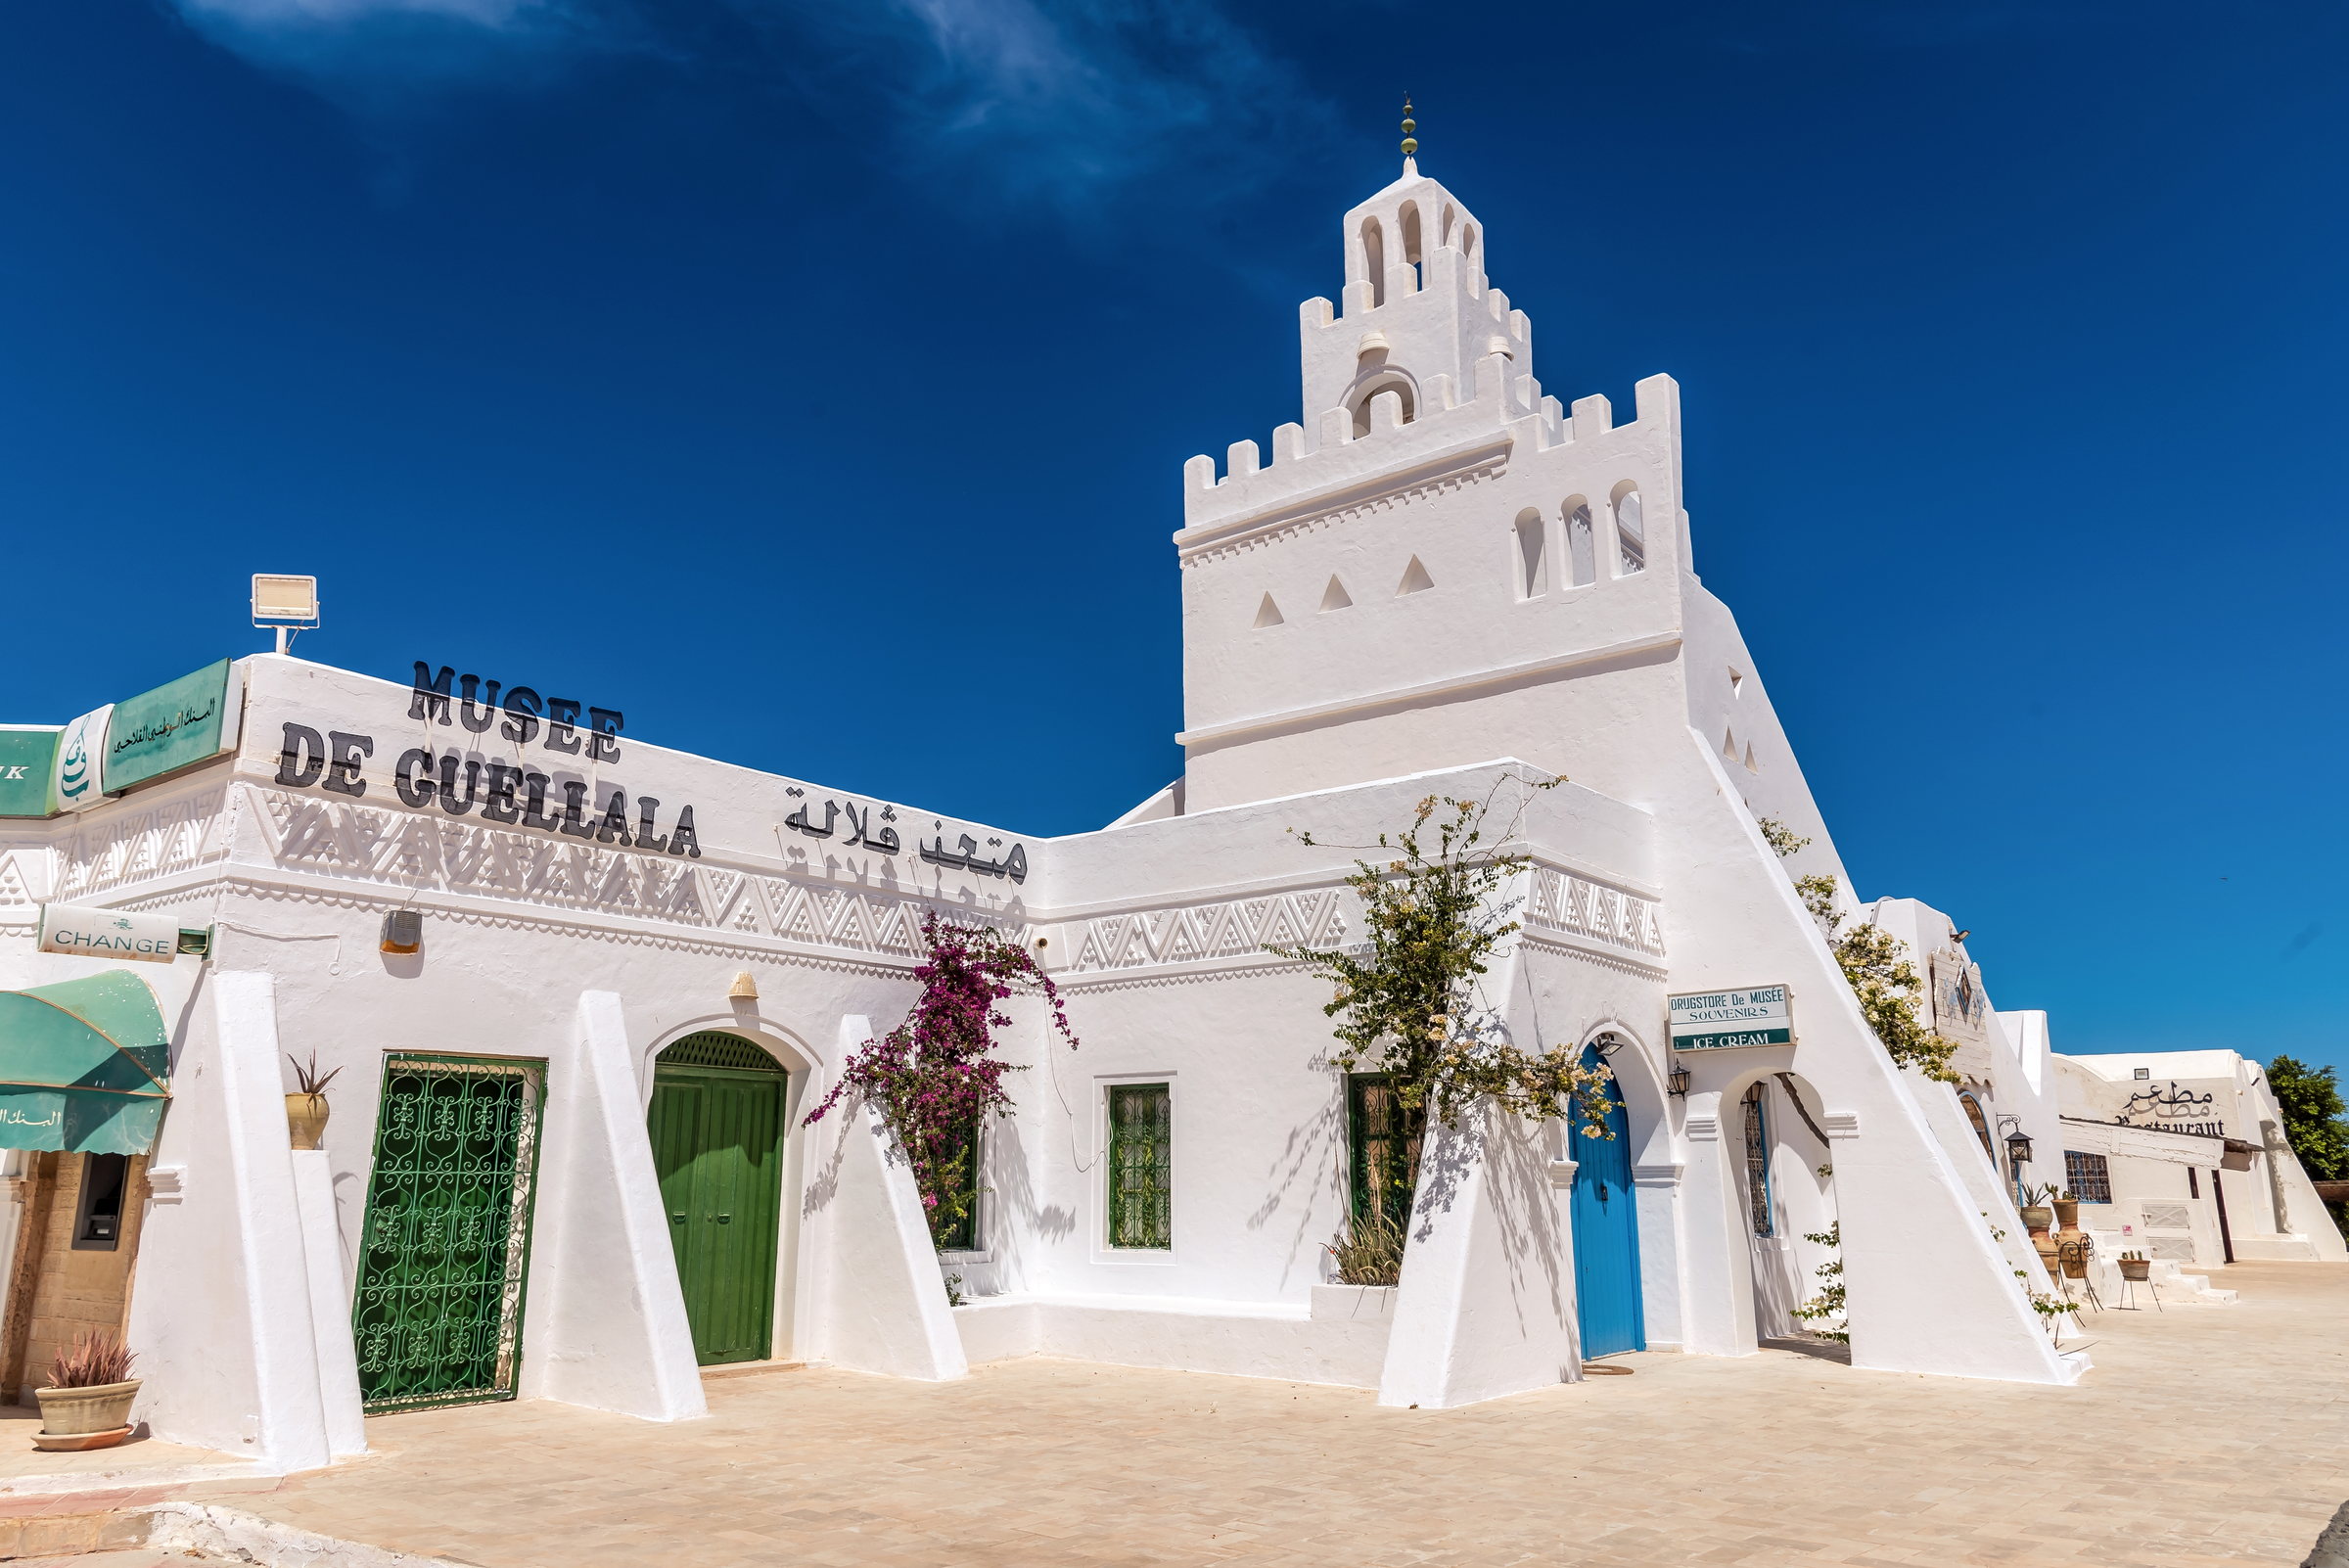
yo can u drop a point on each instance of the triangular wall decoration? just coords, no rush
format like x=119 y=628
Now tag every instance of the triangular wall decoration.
x=1729 y=744
x=1335 y=597
x=1268 y=613
x=1415 y=580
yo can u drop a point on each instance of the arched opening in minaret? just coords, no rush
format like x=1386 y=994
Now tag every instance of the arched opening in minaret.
x=1374 y=261
x=1410 y=242
x=1631 y=536
x=1532 y=535
x=1468 y=241
x=1361 y=402
x=1451 y=216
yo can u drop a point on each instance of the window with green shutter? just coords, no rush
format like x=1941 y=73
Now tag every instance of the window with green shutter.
x=1140 y=1133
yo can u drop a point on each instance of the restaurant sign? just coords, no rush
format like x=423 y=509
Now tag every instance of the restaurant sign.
x=1711 y=1020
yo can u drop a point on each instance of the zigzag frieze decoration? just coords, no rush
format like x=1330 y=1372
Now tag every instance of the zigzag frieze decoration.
x=175 y=835
x=714 y=944
x=310 y=833
x=1353 y=511
x=1237 y=928
x=1562 y=902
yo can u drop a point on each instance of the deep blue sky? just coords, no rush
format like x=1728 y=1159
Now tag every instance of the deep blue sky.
x=814 y=382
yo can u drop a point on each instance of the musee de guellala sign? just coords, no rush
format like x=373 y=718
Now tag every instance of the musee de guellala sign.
x=512 y=793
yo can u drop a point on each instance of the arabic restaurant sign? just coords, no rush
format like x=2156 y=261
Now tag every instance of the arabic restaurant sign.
x=109 y=933
x=1709 y=1020
x=28 y=758
x=191 y=720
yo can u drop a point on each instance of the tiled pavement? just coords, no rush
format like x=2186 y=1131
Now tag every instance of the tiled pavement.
x=2205 y=1434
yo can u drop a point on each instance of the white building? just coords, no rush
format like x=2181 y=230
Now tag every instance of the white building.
x=2181 y=1156
x=1442 y=581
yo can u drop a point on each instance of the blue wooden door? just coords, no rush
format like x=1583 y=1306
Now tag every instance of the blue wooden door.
x=1606 y=1235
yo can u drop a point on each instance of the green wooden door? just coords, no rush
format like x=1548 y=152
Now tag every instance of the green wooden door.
x=717 y=1126
x=446 y=1246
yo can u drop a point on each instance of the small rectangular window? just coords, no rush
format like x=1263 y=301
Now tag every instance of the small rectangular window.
x=2193 y=1187
x=1382 y=1147
x=1757 y=1163
x=960 y=1232
x=1141 y=1166
x=2087 y=1176
x=97 y=1219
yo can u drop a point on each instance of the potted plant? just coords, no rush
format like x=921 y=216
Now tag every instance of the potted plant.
x=2037 y=1216
x=1368 y=1251
x=87 y=1405
x=307 y=1110
x=2136 y=1266
x=2067 y=1212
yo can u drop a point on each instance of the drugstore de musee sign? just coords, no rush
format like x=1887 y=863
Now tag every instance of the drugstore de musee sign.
x=512 y=793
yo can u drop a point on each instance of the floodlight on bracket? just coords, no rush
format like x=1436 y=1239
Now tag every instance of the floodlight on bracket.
x=287 y=603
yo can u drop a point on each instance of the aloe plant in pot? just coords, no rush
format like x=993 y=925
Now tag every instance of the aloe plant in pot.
x=2037 y=1215
x=307 y=1110
x=87 y=1405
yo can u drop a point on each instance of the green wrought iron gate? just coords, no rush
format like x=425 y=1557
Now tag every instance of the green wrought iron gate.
x=437 y=1318
x=717 y=1126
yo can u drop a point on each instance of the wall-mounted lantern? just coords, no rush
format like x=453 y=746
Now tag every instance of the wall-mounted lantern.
x=403 y=931
x=2019 y=1147
x=1677 y=1077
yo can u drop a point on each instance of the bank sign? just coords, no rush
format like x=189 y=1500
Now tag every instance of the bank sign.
x=102 y=752
x=1710 y=1020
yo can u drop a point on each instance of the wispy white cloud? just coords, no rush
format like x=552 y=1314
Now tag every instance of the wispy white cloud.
x=1060 y=94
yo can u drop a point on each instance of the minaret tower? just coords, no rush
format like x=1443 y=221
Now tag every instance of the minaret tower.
x=1436 y=552
x=1414 y=257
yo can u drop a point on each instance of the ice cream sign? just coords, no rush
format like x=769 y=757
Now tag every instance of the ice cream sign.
x=1709 y=1020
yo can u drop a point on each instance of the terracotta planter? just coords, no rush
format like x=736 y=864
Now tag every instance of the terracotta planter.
x=2075 y=1266
x=2037 y=1221
x=306 y=1118
x=99 y=1417
x=2140 y=1269
x=2045 y=1245
x=2068 y=1214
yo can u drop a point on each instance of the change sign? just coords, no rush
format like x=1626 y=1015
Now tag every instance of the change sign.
x=1707 y=1019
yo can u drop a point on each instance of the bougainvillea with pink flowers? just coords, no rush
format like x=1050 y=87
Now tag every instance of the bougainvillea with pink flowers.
x=936 y=1075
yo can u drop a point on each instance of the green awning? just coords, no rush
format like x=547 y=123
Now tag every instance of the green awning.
x=85 y=1065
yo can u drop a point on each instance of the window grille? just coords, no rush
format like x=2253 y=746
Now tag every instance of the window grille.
x=1140 y=1133
x=1757 y=1162
x=2087 y=1176
x=445 y=1247
x=1383 y=1151
x=714 y=1048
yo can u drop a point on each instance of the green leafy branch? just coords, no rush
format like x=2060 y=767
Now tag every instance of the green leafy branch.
x=1828 y=1305
x=1406 y=998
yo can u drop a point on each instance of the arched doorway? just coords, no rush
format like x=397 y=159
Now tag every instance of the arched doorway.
x=717 y=1126
x=1606 y=1231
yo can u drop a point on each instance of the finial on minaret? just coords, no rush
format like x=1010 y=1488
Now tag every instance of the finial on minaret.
x=1411 y=143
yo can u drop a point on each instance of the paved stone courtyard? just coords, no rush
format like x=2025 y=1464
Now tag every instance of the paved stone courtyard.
x=2205 y=1434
